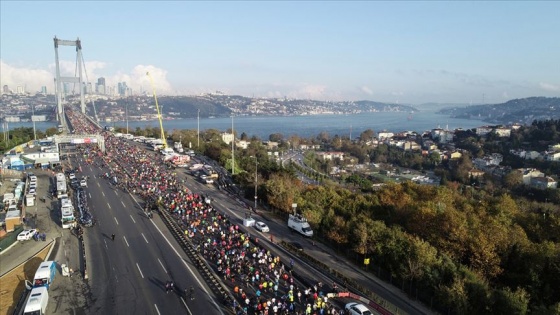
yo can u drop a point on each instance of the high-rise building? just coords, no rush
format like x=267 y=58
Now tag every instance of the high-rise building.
x=44 y=90
x=122 y=88
x=89 y=89
x=101 y=89
x=5 y=89
x=20 y=89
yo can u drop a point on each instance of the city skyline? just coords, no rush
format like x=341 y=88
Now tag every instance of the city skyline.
x=406 y=52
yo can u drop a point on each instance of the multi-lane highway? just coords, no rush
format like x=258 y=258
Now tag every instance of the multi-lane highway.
x=128 y=274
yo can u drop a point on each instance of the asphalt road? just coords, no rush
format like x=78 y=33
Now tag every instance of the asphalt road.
x=128 y=275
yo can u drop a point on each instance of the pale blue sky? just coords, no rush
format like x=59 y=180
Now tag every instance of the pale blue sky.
x=410 y=52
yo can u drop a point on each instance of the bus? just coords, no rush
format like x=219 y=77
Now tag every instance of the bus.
x=37 y=302
x=68 y=220
x=44 y=275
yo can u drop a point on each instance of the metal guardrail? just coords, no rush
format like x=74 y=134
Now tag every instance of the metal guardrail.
x=205 y=270
x=348 y=283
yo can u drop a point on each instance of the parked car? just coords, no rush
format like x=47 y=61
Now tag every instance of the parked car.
x=26 y=235
x=357 y=309
x=261 y=226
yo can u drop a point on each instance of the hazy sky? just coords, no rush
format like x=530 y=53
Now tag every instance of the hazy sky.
x=407 y=52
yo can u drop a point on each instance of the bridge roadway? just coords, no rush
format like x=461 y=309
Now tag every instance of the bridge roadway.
x=128 y=275
x=237 y=210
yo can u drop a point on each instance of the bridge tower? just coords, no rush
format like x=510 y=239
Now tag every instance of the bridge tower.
x=59 y=80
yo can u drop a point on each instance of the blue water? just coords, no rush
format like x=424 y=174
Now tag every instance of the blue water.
x=306 y=126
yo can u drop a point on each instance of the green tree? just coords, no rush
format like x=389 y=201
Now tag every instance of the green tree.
x=508 y=302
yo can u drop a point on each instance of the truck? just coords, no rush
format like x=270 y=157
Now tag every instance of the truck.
x=299 y=224
x=61 y=187
x=180 y=160
x=178 y=146
x=44 y=275
x=37 y=302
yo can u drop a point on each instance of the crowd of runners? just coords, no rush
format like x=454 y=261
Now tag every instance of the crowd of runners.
x=260 y=281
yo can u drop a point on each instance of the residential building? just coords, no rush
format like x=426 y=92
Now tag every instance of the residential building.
x=543 y=182
x=227 y=137
x=503 y=131
x=331 y=155
x=528 y=173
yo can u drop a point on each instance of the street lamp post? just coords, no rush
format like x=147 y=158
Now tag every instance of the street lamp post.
x=127 y=116
x=256 y=178
x=233 y=149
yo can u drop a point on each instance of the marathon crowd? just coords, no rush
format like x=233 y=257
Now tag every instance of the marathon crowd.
x=261 y=282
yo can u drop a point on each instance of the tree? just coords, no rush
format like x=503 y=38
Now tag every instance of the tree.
x=51 y=131
x=323 y=137
x=508 y=302
x=276 y=137
x=367 y=135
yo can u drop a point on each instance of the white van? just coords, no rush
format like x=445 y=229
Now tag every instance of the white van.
x=37 y=302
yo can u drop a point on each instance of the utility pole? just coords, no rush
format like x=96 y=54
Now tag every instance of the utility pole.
x=233 y=148
x=127 y=114
x=256 y=178
x=33 y=120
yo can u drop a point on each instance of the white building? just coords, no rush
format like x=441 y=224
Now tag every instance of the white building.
x=227 y=137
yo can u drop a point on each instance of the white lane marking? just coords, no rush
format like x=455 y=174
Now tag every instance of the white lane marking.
x=89 y=195
x=104 y=241
x=116 y=192
x=132 y=218
x=103 y=194
x=186 y=265
x=126 y=241
x=162 y=265
x=140 y=271
x=157 y=310
x=108 y=205
x=185 y=303
x=145 y=238
x=123 y=204
x=116 y=220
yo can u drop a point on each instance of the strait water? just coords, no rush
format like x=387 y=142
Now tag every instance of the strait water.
x=304 y=126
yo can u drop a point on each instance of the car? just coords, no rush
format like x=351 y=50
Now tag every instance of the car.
x=297 y=246
x=32 y=191
x=357 y=309
x=83 y=183
x=71 y=175
x=26 y=235
x=261 y=226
